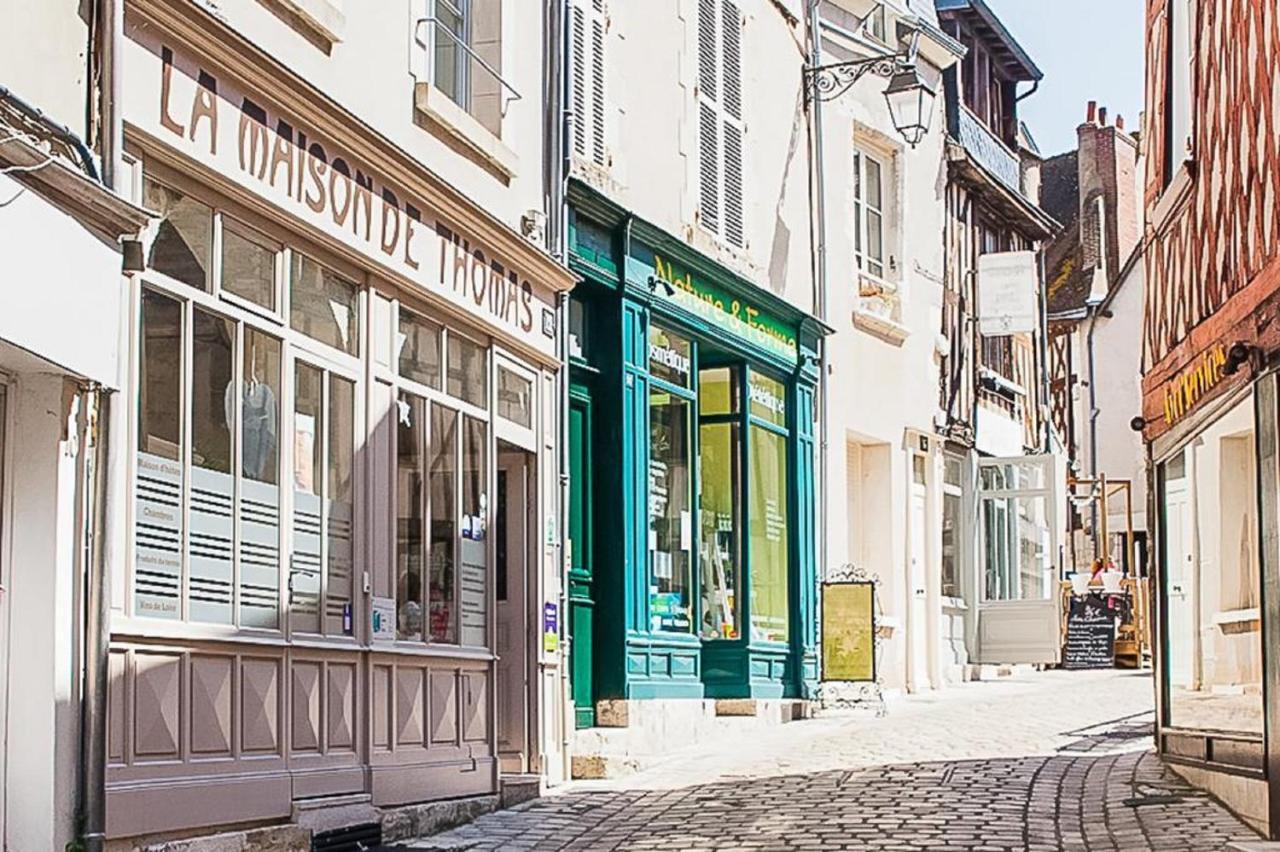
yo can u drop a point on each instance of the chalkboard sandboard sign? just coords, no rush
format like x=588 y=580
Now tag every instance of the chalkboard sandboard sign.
x=1091 y=634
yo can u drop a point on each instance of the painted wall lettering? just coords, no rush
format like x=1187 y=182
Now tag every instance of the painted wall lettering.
x=312 y=178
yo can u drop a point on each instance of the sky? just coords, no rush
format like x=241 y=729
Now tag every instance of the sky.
x=1087 y=50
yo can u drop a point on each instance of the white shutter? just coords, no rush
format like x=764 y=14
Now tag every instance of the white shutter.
x=587 y=26
x=720 y=128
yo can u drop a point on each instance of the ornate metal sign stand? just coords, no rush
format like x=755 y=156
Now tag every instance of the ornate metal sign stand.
x=846 y=694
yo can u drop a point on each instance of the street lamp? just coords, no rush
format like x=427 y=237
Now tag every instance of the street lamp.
x=910 y=99
x=909 y=95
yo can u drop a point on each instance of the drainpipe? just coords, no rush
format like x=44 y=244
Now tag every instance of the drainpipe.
x=819 y=284
x=1093 y=430
x=111 y=28
x=1045 y=407
x=95 y=416
x=555 y=171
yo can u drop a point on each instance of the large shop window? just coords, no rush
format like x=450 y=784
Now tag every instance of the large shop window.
x=224 y=565
x=732 y=465
x=1209 y=512
x=1016 y=533
x=219 y=389
x=719 y=504
x=767 y=505
x=670 y=482
x=441 y=494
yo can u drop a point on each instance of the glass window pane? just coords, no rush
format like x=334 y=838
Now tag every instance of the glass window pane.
x=670 y=521
x=248 y=269
x=768 y=398
x=718 y=391
x=451 y=28
x=259 y=484
x=158 y=507
x=212 y=485
x=468 y=371
x=767 y=504
x=409 y=484
x=1213 y=580
x=515 y=394
x=444 y=524
x=1013 y=475
x=578 y=342
x=341 y=505
x=323 y=305
x=308 y=509
x=419 y=341
x=183 y=241
x=873 y=187
x=1016 y=546
x=160 y=404
x=875 y=237
x=719 y=559
x=951 y=526
x=475 y=548
x=670 y=356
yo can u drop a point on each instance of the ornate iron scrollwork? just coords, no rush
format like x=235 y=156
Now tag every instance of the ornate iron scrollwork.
x=827 y=82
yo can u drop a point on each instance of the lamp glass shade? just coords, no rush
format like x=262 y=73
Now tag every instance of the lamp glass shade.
x=910 y=101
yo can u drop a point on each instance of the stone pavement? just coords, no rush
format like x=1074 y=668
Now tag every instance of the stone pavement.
x=1039 y=761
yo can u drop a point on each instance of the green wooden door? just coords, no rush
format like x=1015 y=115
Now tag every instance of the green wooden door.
x=581 y=588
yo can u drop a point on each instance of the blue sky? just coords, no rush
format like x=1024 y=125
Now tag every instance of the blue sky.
x=1088 y=50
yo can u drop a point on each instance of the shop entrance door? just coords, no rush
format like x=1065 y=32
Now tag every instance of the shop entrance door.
x=581 y=586
x=918 y=556
x=514 y=546
x=1019 y=609
x=1179 y=564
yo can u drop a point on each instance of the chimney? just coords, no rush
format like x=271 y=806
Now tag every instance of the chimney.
x=1106 y=161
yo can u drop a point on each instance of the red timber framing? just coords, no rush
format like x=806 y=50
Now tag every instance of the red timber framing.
x=1213 y=256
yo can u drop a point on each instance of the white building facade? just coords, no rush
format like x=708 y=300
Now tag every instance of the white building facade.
x=885 y=215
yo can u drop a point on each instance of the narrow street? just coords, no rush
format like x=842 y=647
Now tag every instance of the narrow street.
x=1046 y=761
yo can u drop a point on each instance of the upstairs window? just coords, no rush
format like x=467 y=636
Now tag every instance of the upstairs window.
x=1178 y=76
x=868 y=213
x=587 y=33
x=720 y=126
x=448 y=49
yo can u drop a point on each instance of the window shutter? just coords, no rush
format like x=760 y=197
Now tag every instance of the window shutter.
x=720 y=128
x=707 y=48
x=597 y=82
x=708 y=130
x=587 y=40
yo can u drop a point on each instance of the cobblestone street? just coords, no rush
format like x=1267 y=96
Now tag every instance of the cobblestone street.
x=1048 y=761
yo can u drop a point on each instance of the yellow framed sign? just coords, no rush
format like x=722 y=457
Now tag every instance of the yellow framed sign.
x=849 y=631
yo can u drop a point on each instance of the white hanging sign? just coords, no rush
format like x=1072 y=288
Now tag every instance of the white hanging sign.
x=1007 y=292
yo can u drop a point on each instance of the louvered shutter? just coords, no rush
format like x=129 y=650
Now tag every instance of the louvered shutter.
x=720 y=127
x=587 y=39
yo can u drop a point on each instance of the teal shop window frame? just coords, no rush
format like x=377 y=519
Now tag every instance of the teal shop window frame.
x=689 y=395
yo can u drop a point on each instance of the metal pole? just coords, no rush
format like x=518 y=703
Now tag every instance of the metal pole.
x=820 y=292
x=93 y=719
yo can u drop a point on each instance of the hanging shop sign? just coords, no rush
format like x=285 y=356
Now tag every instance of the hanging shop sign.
x=314 y=179
x=1007 y=293
x=714 y=304
x=1185 y=390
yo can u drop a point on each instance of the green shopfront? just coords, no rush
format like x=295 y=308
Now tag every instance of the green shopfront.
x=692 y=567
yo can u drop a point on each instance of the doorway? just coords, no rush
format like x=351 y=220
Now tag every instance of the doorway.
x=1178 y=518
x=514 y=547
x=918 y=557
